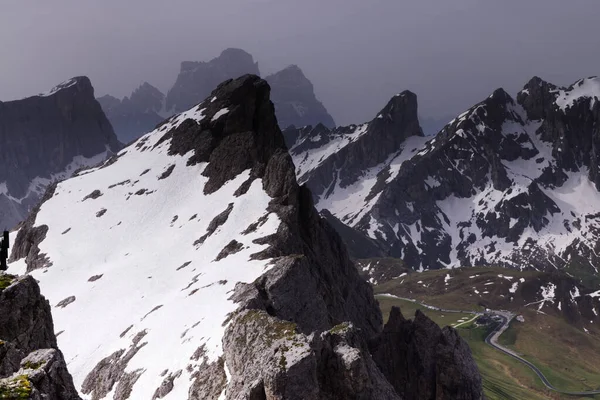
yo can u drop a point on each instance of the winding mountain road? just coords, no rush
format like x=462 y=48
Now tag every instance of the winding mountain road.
x=492 y=340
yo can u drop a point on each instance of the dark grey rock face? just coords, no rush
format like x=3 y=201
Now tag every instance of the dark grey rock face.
x=41 y=136
x=295 y=101
x=359 y=245
x=30 y=362
x=267 y=358
x=25 y=317
x=135 y=115
x=196 y=80
x=425 y=362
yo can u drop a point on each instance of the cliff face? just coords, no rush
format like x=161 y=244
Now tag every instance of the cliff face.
x=31 y=366
x=47 y=137
x=253 y=297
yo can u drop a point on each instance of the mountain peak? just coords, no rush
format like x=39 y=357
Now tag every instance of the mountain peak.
x=197 y=79
x=502 y=96
x=397 y=111
x=295 y=100
x=78 y=83
x=235 y=53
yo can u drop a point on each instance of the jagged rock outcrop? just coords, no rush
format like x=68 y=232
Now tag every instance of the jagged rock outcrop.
x=295 y=101
x=31 y=366
x=256 y=298
x=196 y=80
x=134 y=115
x=425 y=362
x=45 y=138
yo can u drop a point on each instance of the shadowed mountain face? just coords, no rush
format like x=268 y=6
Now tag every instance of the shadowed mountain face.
x=47 y=137
x=221 y=272
x=295 y=102
x=135 y=115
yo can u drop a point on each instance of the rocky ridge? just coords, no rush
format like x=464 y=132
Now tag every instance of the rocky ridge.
x=31 y=365
x=299 y=322
x=45 y=138
x=508 y=182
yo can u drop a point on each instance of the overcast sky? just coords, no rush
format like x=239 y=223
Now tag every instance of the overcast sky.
x=357 y=53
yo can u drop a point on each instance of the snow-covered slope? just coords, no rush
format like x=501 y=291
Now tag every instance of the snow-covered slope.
x=46 y=138
x=135 y=244
x=150 y=260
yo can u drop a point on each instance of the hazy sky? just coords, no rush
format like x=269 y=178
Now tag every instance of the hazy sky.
x=357 y=53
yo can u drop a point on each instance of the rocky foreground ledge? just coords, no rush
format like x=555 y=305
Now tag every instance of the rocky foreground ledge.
x=31 y=366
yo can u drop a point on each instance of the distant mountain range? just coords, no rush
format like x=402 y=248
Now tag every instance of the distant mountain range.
x=136 y=114
x=292 y=93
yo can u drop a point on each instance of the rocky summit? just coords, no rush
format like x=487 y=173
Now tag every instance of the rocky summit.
x=31 y=365
x=295 y=101
x=45 y=138
x=510 y=182
x=134 y=115
x=217 y=277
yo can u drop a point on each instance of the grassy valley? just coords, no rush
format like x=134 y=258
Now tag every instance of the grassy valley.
x=566 y=350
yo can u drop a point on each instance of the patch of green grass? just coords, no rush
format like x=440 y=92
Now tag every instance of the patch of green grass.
x=31 y=365
x=6 y=280
x=15 y=389
x=503 y=377
x=339 y=328
x=408 y=309
x=568 y=357
x=509 y=337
